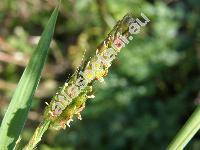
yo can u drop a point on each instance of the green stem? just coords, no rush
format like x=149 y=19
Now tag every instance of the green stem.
x=36 y=138
x=190 y=128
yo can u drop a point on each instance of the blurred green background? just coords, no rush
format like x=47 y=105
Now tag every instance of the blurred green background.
x=152 y=87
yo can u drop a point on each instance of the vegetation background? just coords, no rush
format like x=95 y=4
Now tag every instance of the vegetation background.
x=151 y=90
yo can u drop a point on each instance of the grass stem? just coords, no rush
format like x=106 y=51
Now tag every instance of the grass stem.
x=37 y=136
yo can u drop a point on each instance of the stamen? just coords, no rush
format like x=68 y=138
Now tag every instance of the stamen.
x=91 y=96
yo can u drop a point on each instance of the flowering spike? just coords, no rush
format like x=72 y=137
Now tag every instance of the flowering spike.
x=71 y=98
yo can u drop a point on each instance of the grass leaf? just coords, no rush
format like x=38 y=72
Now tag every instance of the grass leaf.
x=190 y=128
x=16 y=114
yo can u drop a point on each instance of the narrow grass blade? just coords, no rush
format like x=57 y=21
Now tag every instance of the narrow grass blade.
x=191 y=127
x=19 y=106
